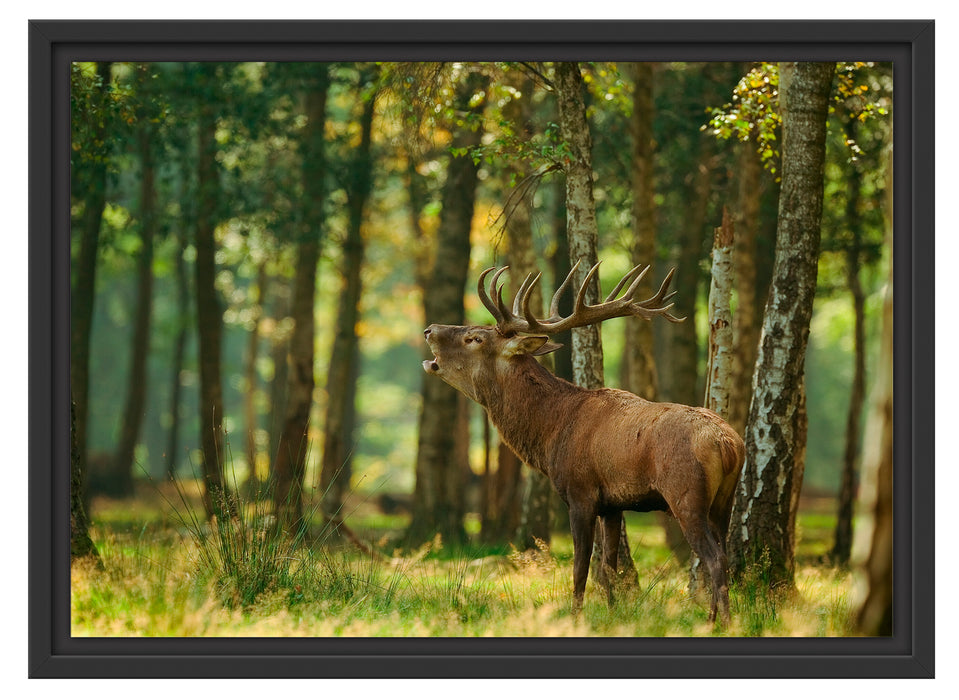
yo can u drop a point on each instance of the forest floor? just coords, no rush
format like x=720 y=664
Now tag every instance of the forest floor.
x=166 y=573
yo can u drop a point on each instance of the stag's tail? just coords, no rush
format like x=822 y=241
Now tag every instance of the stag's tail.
x=733 y=452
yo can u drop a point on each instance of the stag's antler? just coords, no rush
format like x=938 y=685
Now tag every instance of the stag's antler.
x=520 y=319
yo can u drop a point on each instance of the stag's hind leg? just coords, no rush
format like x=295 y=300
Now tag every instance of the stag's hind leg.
x=703 y=539
x=582 y=523
x=691 y=509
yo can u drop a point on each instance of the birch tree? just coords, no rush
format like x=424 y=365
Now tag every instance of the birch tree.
x=763 y=519
x=583 y=235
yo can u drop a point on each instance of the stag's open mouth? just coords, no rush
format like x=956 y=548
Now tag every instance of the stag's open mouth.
x=431 y=366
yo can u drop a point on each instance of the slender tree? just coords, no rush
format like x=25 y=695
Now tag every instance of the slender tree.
x=534 y=516
x=583 y=233
x=179 y=355
x=842 y=544
x=720 y=363
x=438 y=505
x=90 y=121
x=81 y=544
x=763 y=519
x=209 y=310
x=344 y=359
x=746 y=322
x=293 y=447
x=257 y=292
x=639 y=364
x=875 y=614
x=132 y=417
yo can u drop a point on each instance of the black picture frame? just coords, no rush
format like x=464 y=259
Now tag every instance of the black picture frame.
x=52 y=652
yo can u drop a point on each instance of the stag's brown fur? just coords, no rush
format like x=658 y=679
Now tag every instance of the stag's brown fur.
x=604 y=450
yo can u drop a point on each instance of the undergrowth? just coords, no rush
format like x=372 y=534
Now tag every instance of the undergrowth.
x=186 y=576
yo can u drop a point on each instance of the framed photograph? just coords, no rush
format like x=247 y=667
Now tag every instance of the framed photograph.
x=240 y=229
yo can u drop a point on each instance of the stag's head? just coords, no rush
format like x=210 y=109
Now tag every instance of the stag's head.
x=476 y=359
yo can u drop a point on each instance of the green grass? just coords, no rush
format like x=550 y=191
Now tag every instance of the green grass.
x=164 y=576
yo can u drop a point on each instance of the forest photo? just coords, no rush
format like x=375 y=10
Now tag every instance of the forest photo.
x=481 y=349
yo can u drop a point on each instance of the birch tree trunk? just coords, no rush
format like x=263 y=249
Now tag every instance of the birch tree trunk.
x=721 y=349
x=763 y=519
x=720 y=362
x=583 y=234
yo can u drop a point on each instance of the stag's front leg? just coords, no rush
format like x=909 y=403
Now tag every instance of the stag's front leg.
x=582 y=520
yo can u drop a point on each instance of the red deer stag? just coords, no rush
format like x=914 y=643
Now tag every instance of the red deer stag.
x=604 y=450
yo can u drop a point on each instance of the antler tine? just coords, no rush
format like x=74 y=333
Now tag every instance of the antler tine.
x=503 y=309
x=554 y=303
x=481 y=292
x=632 y=287
x=493 y=308
x=656 y=305
x=522 y=301
x=524 y=291
x=660 y=296
x=581 y=296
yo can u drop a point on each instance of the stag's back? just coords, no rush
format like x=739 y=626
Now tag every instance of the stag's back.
x=645 y=453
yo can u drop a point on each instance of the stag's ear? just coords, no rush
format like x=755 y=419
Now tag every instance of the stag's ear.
x=531 y=345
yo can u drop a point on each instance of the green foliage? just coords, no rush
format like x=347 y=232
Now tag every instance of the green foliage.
x=753 y=113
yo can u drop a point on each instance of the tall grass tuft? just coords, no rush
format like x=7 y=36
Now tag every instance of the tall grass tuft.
x=247 y=554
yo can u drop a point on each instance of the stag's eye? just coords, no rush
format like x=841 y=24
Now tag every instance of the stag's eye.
x=472 y=339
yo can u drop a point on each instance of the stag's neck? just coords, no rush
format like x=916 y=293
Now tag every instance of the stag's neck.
x=530 y=409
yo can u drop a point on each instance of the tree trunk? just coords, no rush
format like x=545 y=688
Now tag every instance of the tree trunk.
x=132 y=417
x=80 y=543
x=720 y=365
x=875 y=615
x=842 y=546
x=344 y=361
x=279 y=351
x=209 y=314
x=581 y=224
x=436 y=495
x=294 y=445
x=639 y=364
x=746 y=323
x=583 y=235
x=762 y=527
x=179 y=351
x=534 y=520
x=562 y=358
x=685 y=343
x=83 y=290
x=252 y=383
